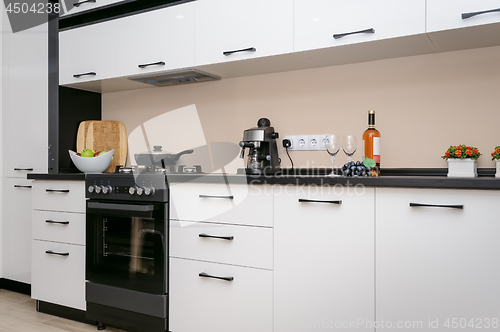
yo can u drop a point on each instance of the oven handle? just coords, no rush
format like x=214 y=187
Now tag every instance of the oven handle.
x=120 y=207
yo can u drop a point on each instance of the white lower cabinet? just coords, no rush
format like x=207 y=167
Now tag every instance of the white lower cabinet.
x=324 y=259
x=58 y=243
x=59 y=273
x=438 y=260
x=243 y=303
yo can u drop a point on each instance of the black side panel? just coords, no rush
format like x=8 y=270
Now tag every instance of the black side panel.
x=15 y=286
x=127 y=320
x=74 y=106
x=64 y=312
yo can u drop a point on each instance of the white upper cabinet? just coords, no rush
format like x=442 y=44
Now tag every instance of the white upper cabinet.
x=327 y=23
x=158 y=40
x=252 y=28
x=85 y=5
x=453 y=14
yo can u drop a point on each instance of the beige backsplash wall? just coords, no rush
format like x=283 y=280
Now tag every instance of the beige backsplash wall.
x=423 y=104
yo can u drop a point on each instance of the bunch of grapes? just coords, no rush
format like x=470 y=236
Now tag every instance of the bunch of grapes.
x=356 y=168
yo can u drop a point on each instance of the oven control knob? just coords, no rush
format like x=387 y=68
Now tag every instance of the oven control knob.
x=149 y=190
x=140 y=190
x=91 y=189
x=107 y=189
x=98 y=189
x=132 y=190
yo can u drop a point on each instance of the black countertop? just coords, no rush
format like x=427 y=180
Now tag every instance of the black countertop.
x=54 y=176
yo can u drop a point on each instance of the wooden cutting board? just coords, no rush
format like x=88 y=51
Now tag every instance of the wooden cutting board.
x=104 y=136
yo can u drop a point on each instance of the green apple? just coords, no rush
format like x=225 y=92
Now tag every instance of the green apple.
x=87 y=153
x=102 y=152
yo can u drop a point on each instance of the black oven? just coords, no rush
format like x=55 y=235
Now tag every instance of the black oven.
x=127 y=251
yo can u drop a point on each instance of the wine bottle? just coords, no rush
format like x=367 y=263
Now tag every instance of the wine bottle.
x=371 y=143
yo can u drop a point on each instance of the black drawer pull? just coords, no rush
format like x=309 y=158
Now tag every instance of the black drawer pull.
x=250 y=49
x=57 y=253
x=468 y=15
x=217 y=237
x=303 y=200
x=78 y=4
x=206 y=275
x=20 y=186
x=437 y=205
x=23 y=169
x=90 y=73
x=57 y=222
x=57 y=190
x=340 y=35
x=216 y=196
x=159 y=63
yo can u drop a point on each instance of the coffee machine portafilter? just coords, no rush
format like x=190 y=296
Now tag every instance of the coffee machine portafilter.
x=262 y=149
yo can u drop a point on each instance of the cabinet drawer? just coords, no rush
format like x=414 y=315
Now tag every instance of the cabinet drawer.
x=230 y=244
x=58 y=279
x=448 y=14
x=244 y=304
x=59 y=195
x=59 y=227
x=266 y=26
x=316 y=22
x=233 y=204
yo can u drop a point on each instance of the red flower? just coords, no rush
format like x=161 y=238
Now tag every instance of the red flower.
x=468 y=148
x=458 y=153
x=447 y=154
x=468 y=152
x=492 y=154
x=497 y=150
x=458 y=147
x=476 y=151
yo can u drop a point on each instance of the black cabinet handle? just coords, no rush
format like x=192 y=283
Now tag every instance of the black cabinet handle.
x=216 y=196
x=217 y=237
x=57 y=253
x=90 y=73
x=159 y=63
x=57 y=222
x=57 y=190
x=23 y=169
x=302 y=200
x=206 y=275
x=78 y=4
x=340 y=35
x=250 y=49
x=468 y=15
x=437 y=205
x=20 y=186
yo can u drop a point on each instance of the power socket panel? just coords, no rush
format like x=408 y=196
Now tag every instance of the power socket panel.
x=302 y=142
x=326 y=140
x=309 y=142
x=314 y=142
x=293 y=140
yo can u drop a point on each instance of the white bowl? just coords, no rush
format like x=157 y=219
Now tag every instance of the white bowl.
x=92 y=164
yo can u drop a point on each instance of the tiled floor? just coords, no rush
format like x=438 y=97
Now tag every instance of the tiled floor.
x=18 y=314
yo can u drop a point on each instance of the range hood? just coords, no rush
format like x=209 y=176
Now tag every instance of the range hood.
x=184 y=76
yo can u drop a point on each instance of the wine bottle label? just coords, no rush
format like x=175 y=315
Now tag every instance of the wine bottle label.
x=376 y=149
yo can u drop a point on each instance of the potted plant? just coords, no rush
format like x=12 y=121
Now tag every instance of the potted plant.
x=462 y=161
x=495 y=155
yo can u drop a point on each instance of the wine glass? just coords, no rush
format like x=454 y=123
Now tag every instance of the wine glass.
x=349 y=145
x=332 y=147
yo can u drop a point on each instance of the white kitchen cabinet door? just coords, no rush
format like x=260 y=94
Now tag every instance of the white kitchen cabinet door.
x=235 y=25
x=59 y=274
x=438 y=265
x=160 y=36
x=317 y=22
x=25 y=102
x=324 y=251
x=58 y=226
x=16 y=237
x=243 y=304
x=66 y=196
x=86 y=5
x=221 y=243
x=454 y=14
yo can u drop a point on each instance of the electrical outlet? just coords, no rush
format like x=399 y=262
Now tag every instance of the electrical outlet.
x=293 y=140
x=314 y=142
x=302 y=142
x=326 y=140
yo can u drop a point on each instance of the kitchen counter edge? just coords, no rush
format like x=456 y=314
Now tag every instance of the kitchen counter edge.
x=56 y=176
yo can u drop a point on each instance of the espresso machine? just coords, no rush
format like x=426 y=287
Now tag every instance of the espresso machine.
x=262 y=149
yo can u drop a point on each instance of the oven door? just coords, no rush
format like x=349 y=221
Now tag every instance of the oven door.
x=127 y=245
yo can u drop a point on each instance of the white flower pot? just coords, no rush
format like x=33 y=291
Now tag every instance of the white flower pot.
x=497 y=174
x=463 y=168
